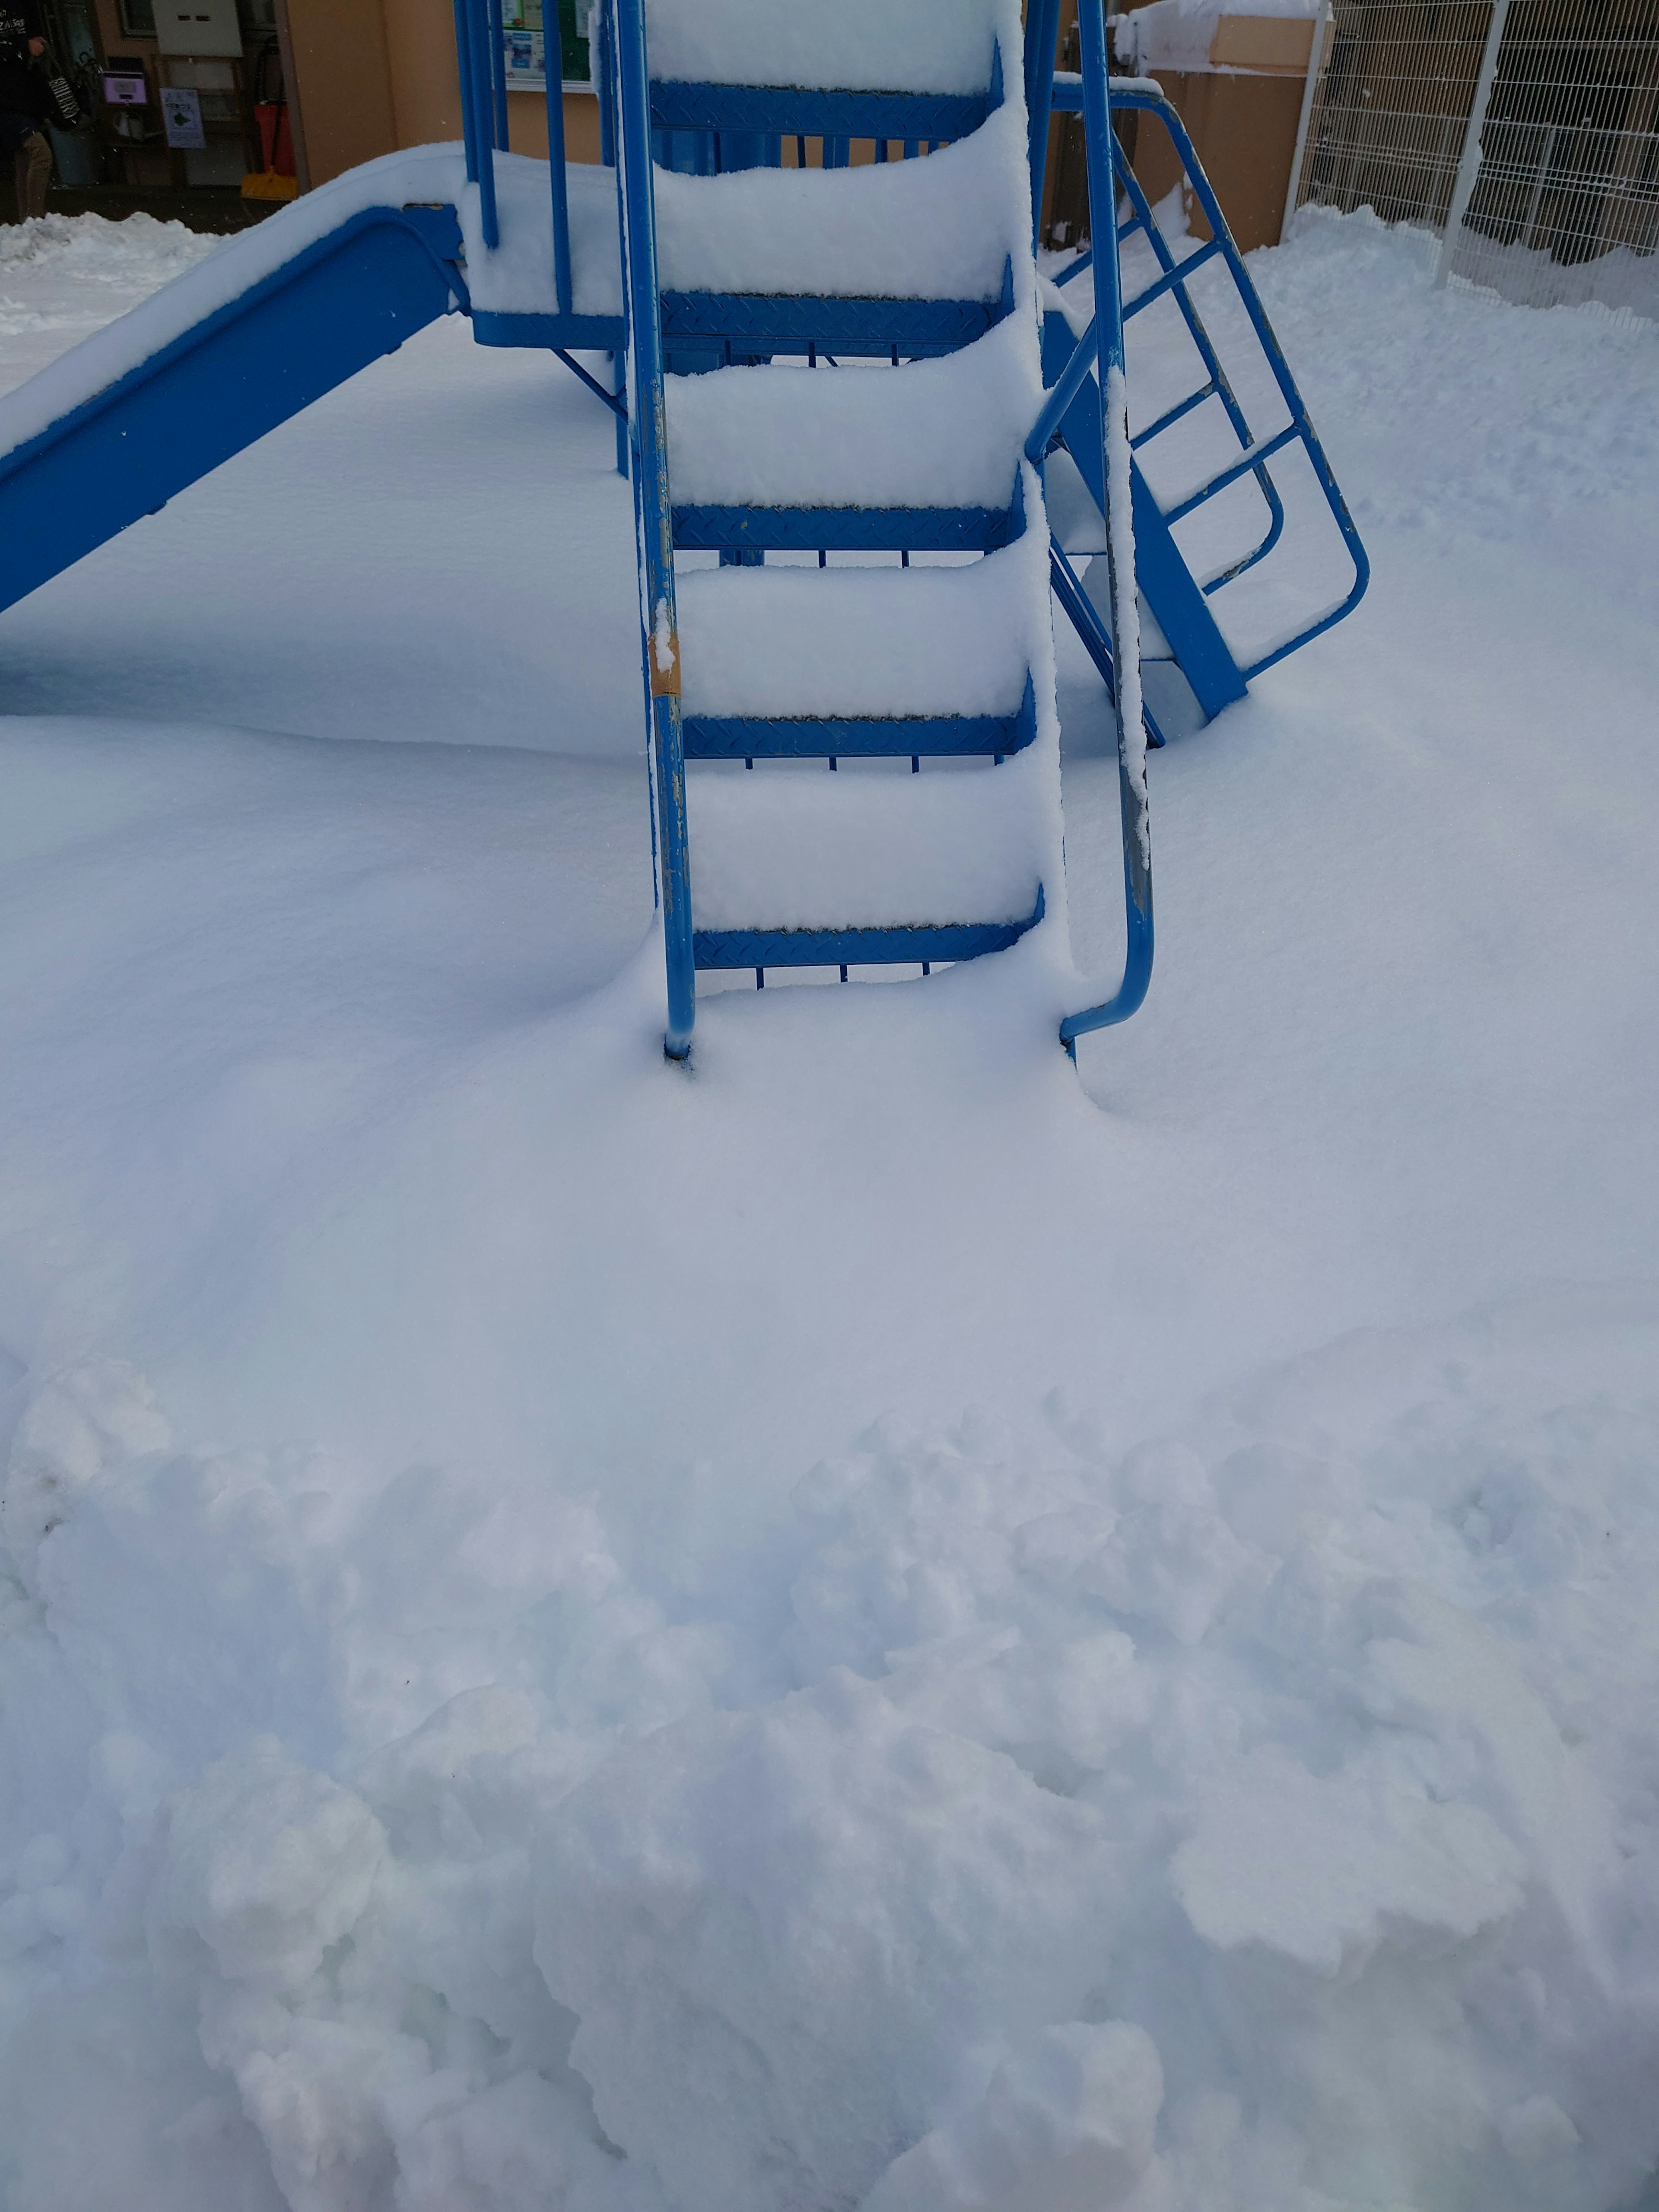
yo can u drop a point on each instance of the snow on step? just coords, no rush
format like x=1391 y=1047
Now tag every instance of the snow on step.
x=868 y=46
x=941 y=228
x=784 y=640
x=801 y=848
x=931 y=434
x=517 y=277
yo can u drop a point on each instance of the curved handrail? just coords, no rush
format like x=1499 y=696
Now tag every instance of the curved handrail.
x=1107 y=331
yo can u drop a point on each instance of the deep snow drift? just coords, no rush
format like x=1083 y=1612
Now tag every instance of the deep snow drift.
x=882 y=1624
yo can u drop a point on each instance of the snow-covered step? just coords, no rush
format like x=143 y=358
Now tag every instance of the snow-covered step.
x=872 y=45
x=867 y=848
x=791 y=641
x=938 y=228
x=932 y=436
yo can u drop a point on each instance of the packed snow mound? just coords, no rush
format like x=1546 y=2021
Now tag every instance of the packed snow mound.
x=1257 y=1820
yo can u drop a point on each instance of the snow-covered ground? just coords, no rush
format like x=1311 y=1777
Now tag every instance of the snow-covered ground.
x=887 y=1621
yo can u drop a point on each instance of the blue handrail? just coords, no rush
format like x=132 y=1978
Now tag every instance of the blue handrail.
x=1068 y=97
x=653 y=514
x=1108 y=328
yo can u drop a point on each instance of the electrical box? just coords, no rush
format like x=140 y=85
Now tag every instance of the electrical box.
x=198 y=26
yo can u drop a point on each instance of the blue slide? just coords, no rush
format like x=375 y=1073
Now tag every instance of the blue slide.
x=338 y=303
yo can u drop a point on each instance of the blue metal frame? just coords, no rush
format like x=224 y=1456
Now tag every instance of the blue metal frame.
x=1174 y=278
x=1109 y=360
x=340 y=303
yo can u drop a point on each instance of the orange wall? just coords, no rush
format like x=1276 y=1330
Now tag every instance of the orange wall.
x=344 y=83
x=374 y=75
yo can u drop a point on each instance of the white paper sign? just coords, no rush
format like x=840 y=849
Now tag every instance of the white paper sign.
x=181 y=117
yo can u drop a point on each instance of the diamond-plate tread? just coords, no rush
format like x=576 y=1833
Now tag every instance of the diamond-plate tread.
x=858 y=948
x=756 y=322
x=917 y=736
x=797 y=111
x=846 y=529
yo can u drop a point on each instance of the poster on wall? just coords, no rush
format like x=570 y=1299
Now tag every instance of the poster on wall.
x=524 y=43
x=181 y=118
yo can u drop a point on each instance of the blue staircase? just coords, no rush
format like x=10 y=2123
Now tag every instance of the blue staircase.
x=683 y=332
x=891 y=798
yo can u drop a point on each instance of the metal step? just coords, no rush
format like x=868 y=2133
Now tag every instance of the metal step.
x=793 y=112
x=930 y=737
x=846 y=529
x=926 y=945
x=754 y=324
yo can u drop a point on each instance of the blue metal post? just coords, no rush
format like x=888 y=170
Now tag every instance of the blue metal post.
x=498 y=71
x=553 y=69
x=464 y=65
x=484 y=120
x=1119 y=556
x=1041 y=36
x=600 y=54
x=655 y=512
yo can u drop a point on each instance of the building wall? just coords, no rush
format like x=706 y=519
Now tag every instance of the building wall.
x=371 y=75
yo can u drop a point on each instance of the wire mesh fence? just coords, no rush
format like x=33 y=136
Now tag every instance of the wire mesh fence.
x=1565 y=204
x=1528 y=130
x=1392 y=106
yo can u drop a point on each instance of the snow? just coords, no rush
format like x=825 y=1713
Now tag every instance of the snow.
x=882 y=1621
x=790 y=641
x=933 y=229
x=1177 y=35
x=855 y=45
x=61 y=277
x=935 y=433
x=877 y=846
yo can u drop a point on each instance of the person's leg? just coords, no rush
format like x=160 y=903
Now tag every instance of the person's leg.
x=34 y=174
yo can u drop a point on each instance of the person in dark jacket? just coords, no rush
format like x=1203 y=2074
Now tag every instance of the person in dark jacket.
x=23 y=103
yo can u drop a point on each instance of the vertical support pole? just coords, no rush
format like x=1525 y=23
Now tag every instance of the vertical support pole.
x=1117 y=467
x=553 y=70
x=1469 y=161
x=1309 y=93
x=464 y=65
x=498 y=72
x=1042 y=37
x=602 y=60
x=478 y=14
x=658 y=617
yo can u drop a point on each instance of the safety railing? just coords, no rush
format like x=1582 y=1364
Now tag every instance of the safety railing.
x=1101 y=351
x=1174 y=281
x=481 y=51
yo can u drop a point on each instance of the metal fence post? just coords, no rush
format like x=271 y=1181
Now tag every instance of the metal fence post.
x=1468 y=161
x=1310 y=92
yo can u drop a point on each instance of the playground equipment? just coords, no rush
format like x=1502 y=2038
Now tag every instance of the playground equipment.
x=726 y=240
